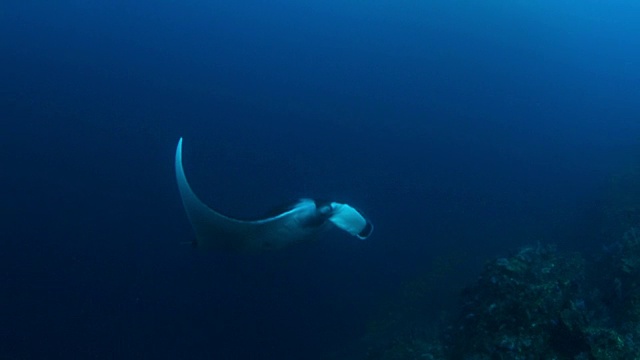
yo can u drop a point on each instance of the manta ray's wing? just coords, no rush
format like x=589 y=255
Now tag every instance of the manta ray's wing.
x=216 y=231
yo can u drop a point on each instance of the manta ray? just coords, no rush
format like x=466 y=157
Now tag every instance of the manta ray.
x=298 y=223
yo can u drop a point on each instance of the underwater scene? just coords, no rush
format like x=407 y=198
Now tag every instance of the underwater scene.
x=339 y=180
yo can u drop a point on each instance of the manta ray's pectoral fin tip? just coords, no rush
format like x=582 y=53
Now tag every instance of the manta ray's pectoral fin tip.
x=179 y=149
x=212 y=230
x=197 y=212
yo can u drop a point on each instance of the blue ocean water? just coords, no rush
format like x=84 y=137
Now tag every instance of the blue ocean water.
x=463 y=129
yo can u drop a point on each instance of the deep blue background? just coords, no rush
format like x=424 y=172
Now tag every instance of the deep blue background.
x=464 y=129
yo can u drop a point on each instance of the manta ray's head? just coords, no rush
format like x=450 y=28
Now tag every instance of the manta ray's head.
x=323 y=208
x=317 y=214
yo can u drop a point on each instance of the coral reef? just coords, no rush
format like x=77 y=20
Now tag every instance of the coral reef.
x=540 y=304
x=528 y=306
